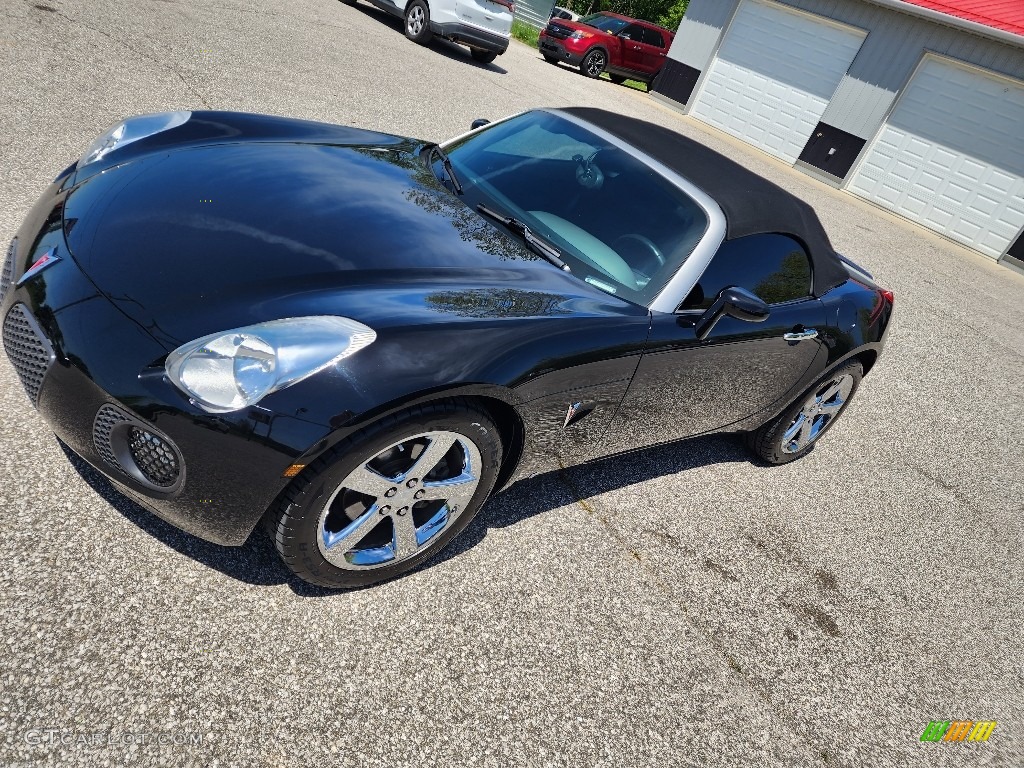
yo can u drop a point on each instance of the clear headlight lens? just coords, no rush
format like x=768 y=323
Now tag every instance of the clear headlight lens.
x=132 y=129
x=234 y=369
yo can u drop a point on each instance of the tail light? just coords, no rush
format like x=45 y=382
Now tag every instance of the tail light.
x=888 y=297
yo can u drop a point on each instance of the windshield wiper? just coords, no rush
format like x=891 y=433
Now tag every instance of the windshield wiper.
x=435 y=149
x=536 y=244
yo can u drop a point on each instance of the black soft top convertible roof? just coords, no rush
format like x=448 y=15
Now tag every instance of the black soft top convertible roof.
x=751 y=204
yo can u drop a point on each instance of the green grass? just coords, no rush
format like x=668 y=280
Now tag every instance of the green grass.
x=636 y=85
x=524 y=33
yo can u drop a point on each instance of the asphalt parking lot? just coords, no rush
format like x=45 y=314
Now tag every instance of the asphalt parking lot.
x=678 y=606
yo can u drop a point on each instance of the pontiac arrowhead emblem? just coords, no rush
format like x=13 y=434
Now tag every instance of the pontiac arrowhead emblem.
x=47 y=259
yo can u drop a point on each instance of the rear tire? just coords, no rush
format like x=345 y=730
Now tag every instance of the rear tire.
x=593 y=63
x=617 y=79
x=484 y=57
x=386 y=499
x=417 y=22
x=795 y=433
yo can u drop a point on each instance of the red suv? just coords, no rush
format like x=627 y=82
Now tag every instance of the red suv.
x=607 y=42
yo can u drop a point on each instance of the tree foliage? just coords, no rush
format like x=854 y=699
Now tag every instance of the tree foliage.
x=667 y=13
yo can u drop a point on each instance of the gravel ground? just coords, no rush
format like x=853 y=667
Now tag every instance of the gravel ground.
x=679 y=606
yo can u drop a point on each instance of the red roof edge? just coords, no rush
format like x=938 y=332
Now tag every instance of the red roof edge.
x=1007 y=15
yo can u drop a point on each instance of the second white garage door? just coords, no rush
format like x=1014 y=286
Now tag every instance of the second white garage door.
x=951 y=155
x=774 y=75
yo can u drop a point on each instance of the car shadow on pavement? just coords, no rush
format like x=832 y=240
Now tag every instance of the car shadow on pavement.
x=256 y=562
x=438 y=44
x=563 y=487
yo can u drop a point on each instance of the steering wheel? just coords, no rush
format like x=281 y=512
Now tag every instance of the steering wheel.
x=589 y=247
x=620 y=243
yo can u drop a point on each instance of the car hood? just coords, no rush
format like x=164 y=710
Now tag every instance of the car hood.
x=578 y=25
x=201 y=238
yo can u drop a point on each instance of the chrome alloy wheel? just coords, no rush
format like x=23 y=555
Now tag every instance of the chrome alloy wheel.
x=820 y=408
x=393 y=506
x=414 y=23
x=595 y=63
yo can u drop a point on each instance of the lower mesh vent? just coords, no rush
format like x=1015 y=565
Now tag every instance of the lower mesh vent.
x=153 y=456
x=107 y=418
x=135 y=449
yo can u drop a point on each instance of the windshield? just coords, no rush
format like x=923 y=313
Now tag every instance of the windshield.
x=617 y=223
x=609 y=24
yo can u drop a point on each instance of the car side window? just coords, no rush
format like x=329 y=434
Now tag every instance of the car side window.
x=653 y=37
x=773 y=266
x=632 y=32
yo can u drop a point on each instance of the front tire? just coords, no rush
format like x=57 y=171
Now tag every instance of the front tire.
x=795 y=433
x=484 y=57
x=593 y=63
x=617 y=79
x=383 y=501
x=417 y=22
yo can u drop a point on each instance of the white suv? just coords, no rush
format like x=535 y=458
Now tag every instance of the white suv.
x=483 y=25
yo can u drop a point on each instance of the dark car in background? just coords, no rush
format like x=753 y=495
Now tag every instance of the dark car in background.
x=625 y=48
x=358 y=337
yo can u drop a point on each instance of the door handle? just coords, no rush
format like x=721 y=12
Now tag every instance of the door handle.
x=806 y=333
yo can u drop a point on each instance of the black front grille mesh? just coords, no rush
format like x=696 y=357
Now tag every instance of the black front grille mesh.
x=557 y=31
x=153 y=457
x=29 y=351
x=8 y=274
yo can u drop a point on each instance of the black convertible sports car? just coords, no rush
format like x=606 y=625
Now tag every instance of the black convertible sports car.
x=359 y=337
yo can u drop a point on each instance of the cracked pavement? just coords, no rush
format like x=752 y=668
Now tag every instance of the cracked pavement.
x=677 y=606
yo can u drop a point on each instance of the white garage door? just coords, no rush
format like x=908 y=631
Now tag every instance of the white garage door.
x=951 y=155
x=774 y=75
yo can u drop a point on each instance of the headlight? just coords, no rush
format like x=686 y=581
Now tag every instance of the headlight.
x=579 y=34
x=231 y=370
x=132 y=129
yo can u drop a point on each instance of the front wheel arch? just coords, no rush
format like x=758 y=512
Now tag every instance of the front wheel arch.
x=512 y=433
x=498 y=402
x=300 y=519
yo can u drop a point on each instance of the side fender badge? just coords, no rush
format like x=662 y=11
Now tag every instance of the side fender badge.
x=570 y=415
